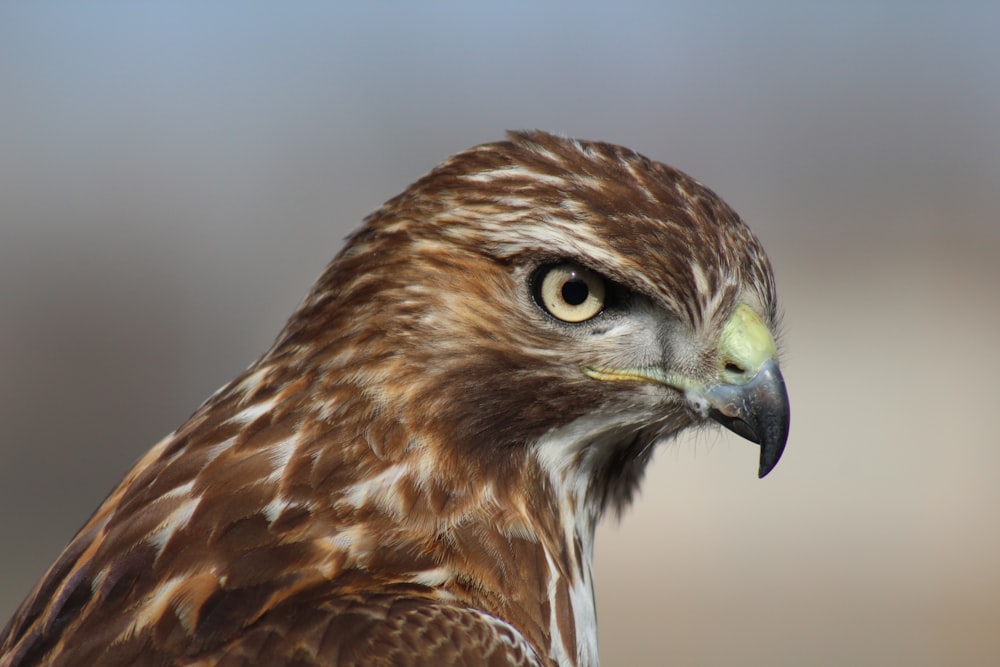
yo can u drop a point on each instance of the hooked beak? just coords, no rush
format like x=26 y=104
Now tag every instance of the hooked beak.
x=756 y=410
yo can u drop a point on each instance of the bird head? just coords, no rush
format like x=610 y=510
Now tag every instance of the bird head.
x=475 y=378
x=570 y=299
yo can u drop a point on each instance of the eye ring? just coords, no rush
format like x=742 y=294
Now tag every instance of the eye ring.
x=570 y=292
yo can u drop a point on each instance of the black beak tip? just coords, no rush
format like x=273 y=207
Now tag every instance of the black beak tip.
x=771 y=441
x=757 y=411
x=769 y=458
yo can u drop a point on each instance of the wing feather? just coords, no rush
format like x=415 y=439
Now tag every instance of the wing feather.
x=376 y=631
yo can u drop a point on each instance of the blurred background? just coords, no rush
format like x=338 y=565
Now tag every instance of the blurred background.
x=173 y=176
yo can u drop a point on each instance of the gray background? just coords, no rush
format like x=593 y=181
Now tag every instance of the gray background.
x=174 y=175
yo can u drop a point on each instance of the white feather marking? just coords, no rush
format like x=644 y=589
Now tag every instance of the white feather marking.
x=378 y=489
x=709 y=298
x=639 y=174
x=254 y=380
x=517 y=202
x=252 y=412
x=280 y=453
x=549 y=155
x=182 y=490
x=175 y=521
x=558 y=234
x=700 y=279
x=571 y=453
x=212 y=452
x=152 y=607
x=436 y=577
x=273 y=509
x=514 y=171
x=355 y=540
x=557 y=647
x=95 y=583
x=581 y=597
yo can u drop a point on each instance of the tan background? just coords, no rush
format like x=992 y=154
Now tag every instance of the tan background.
x=173 y=178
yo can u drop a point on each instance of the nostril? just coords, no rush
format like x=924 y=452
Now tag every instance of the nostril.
x=734 y=368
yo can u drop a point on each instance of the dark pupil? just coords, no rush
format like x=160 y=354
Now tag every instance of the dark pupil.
x=574 y=292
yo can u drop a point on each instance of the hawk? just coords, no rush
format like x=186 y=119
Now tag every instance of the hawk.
x=413 y=472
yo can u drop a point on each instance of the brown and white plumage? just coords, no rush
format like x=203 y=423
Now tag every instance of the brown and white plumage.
x=412 y=474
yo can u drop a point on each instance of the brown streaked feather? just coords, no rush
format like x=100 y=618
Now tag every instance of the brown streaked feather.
x=376 y=631
x=371 y=490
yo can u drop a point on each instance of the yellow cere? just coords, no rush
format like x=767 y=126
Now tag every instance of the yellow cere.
x=746 y=342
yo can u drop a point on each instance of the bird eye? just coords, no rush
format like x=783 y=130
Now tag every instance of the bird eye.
x=570 y=292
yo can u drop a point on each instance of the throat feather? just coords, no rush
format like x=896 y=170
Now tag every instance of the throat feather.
x=574 y=459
